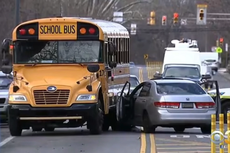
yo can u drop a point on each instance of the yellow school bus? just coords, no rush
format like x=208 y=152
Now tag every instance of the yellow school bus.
x=62 y=69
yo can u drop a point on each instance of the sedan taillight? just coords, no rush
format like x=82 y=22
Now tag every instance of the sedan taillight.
x=167 y=104
x=201 y=105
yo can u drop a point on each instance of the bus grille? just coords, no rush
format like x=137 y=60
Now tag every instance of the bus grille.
x=43 y=97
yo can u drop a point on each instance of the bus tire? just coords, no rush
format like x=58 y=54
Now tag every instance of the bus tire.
x=96 y=123
x=15 y=127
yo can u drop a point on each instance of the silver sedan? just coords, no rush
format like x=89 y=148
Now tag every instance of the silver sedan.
x=167 y=103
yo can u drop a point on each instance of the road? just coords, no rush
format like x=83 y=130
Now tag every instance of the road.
x=165 y=140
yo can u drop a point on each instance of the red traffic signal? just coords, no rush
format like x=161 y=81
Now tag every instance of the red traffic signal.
x=221 y=40
x=175 y=15
x=164 y=18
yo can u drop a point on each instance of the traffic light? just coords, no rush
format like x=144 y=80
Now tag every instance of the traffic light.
x=152 y=18
x=221 y=41
x=175 y=18
x=201 y=14
x=164 y=20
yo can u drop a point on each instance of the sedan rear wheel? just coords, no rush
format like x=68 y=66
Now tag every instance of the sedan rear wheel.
x=179 y=129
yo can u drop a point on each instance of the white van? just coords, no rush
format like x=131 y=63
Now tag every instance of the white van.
x=183 y=61
x=184 y=57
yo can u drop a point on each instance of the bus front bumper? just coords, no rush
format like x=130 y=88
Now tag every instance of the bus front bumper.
x=76 y=111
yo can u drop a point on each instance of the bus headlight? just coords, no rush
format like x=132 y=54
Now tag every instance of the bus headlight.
x=86 y=97
x=17 y=98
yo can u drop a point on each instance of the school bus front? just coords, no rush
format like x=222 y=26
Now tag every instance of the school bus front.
x=52 y=84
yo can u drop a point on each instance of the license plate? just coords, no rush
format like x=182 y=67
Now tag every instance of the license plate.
x=187 y=105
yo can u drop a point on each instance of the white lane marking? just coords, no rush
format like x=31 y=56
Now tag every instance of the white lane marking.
x=8 y=139
x=188 y=136
x=5 y=141
x=173 y=136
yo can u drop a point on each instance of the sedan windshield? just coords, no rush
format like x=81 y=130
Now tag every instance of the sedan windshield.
x=179 y=89
x=188 y=72
x=57 y=52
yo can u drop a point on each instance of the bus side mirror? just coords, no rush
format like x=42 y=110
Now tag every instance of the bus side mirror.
x=7 y=69
x=93 y=68
x=5 y=47
x=111 y=48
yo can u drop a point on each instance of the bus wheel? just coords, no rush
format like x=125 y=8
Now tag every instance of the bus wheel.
x=15 y=127
x=49 y=129
x=36 y=129
x=96 y=123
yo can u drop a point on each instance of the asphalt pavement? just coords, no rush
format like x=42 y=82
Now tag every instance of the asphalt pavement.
x=78 y=140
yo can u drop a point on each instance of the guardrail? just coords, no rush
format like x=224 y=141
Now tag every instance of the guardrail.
x=221 y=136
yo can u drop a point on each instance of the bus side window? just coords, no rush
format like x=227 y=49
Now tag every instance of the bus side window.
x=106 y=56
x=128 y=51
x=115 y=44
x=119 y=49
x=122 y=50
x=109 y=56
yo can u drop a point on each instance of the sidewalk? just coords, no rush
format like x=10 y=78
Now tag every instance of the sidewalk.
x=224 y=73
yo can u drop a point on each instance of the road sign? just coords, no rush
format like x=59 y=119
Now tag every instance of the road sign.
x=133 y=30
x=183 y=21
x=219 y=50
x=118 y=16
x=201 y=9
x=146 y=56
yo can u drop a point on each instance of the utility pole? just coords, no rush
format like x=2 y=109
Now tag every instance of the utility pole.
x=17 y=12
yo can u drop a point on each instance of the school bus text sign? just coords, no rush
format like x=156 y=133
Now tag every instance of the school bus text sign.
x=57 y=31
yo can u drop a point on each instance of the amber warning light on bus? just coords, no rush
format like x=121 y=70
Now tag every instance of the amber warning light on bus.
x=91 y=31
x=30 y=31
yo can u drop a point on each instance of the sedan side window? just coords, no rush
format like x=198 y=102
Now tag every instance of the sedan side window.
x=145 y=90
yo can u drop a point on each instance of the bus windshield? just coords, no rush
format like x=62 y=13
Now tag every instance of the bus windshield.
x=47 y=52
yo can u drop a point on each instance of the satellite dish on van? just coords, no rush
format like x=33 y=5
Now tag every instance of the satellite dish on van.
x=175 y=41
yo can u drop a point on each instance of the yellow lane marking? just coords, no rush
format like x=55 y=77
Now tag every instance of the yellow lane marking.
x=143 y=143
x=152 y=144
